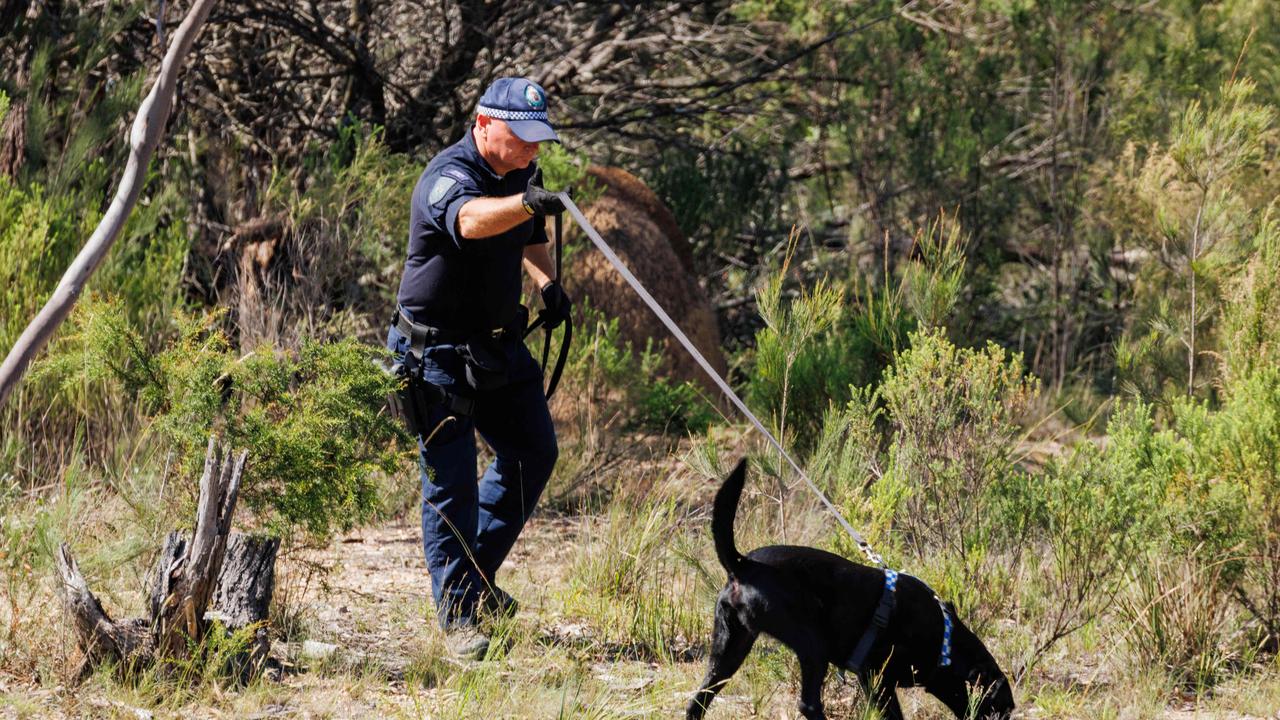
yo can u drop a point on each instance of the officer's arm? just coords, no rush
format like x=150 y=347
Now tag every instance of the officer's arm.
x=484 y=217
x=537 y=263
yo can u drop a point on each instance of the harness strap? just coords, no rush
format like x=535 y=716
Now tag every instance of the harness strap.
x=944 y=657
x=879 y=621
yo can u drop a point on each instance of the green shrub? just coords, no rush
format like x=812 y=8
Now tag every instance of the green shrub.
x=787 y=338
x=312 y=421
x=1250 y=326
x=40 y=235
x=1090 y=515
x=817 y=345
x=953 y=417
x=1211 y=480
x=953 y=414
x=665 y=405
x=1201 y=220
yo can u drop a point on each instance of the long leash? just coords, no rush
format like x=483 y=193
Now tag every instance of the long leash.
x=635 y=284
x=567 y=338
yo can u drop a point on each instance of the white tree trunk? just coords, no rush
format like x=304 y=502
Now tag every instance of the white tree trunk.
x=148 y=126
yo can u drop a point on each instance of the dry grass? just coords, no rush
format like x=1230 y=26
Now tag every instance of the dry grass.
x=616 y=602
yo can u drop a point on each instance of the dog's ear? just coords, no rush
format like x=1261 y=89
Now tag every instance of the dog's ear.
x=741 y=469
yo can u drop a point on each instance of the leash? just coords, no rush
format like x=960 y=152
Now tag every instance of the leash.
x=635 y=284
x=567 y=339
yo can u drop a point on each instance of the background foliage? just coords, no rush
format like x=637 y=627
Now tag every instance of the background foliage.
x=1003 y=274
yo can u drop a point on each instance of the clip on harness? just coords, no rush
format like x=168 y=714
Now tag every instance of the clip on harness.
x=888 y=599
x=543 y=322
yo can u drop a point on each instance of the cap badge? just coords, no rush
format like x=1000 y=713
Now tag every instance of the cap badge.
x=534 y=97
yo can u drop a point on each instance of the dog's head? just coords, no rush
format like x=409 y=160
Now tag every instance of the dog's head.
x=973 y=684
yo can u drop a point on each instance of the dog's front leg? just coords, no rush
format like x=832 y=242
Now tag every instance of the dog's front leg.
x=730 y=643
x=813 y=673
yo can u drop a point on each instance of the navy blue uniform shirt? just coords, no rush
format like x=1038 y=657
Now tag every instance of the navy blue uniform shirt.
x=456 y=283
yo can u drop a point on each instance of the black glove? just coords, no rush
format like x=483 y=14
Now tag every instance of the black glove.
x=557 y=304
x=539 y=200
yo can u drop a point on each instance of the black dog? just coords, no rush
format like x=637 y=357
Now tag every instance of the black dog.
x=820 y=605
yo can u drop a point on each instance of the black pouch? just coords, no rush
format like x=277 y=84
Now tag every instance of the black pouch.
x=412 y=399
x=486 y=363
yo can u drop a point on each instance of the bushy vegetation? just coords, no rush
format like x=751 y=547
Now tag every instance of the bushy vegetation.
x=1003 y=276
x=314 y=421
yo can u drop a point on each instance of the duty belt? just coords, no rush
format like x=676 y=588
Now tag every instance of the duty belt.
x=423 y=336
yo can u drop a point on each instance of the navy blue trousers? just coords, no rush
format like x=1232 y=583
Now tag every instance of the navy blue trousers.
x=468 y=525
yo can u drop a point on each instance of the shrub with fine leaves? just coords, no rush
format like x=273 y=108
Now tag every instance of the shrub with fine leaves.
x=312 y=421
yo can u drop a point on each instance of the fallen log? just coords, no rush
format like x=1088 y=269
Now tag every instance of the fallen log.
x=206 y=575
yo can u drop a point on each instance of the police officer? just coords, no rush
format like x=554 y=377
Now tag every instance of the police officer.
x=475 y=219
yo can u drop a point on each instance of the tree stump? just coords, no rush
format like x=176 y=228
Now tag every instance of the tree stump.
x=242 y=597
x=206 y=575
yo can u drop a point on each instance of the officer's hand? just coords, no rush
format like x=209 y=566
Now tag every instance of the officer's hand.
x=557 y=304
x=539 y=200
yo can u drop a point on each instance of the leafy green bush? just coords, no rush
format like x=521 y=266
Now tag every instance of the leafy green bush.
x=1250 y=326
x=953 y=417
x=828 y=339
x=40 y=234
x=1211 y=481
x=789 y=333
x=1092 y=514
x=312 y=421
x=665 y=405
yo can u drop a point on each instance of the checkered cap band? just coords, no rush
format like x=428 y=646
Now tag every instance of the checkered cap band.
x=500 y=114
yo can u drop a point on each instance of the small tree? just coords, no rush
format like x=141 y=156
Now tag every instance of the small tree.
x=1196 y=192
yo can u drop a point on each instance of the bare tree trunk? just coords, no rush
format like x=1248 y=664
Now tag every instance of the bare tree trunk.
x=211 y=566
x=101 y=639
x=190 y=580
x=148 y=126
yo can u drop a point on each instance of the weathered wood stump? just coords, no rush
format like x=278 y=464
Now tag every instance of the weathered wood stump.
x=209 y=574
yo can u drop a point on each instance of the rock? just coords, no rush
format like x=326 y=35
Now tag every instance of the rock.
x=316 y=650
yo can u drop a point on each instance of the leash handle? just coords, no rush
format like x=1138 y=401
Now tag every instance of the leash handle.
x=559 y=223
x=636 y=285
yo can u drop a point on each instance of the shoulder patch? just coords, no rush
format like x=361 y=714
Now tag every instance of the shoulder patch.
x=441 y=188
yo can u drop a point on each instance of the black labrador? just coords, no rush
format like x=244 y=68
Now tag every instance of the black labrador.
x=820 y=605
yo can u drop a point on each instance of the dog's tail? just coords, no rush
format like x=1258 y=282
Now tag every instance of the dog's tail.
x=722 y=514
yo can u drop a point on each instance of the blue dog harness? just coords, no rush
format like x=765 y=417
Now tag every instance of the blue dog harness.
x=879 y=621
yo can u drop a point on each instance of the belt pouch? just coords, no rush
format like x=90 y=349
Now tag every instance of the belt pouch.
x=486 y=363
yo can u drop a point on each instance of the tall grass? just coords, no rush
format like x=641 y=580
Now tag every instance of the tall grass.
x=637 y=580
